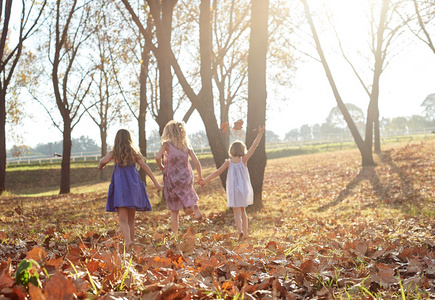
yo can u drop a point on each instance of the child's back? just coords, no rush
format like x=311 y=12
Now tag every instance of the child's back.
x=178 y=179
x=239 y=188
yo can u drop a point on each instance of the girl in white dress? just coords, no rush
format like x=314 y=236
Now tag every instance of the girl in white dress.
x=239 y=188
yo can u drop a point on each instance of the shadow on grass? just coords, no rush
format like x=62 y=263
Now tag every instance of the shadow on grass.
x=366 y=173
x=402 y=195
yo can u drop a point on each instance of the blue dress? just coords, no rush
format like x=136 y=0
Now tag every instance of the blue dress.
x=126 y=189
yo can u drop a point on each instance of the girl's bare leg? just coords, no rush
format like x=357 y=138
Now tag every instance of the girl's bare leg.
x=238 y=219
x=124 y=224
x=198 y=214
x=174 y=221
x=131 y=223
x=244 y=221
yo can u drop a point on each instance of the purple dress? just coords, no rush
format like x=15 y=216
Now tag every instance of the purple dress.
x=178 y=179
x=126 y=189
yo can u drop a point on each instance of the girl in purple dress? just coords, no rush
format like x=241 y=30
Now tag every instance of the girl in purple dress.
x=127 y=192
x=177 y=173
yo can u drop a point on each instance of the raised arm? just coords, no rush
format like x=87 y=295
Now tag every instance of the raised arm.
x=148 y=171
x=254 y=145
x=215 y=173
x=196 y=163
x=160 y=154
x=105 y=160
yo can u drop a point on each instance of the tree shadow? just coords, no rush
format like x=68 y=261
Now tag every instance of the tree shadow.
x=366 y=173
x=390 y=194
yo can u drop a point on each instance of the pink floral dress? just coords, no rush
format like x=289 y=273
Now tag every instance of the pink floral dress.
x=178 y=179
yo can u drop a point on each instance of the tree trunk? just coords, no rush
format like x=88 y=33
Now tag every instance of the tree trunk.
x=143 y=105
x=363 y=146
x=205 y=106
x=2 y=140
x=377 y=135
x=257 y=94
x=203 y=102
x=162 y=14
x=224 y=118
x=379 y=62
x=66 y=158
x=103 y=137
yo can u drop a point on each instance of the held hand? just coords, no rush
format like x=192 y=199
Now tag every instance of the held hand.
x=159 y=187
x=100 y=167
x=201 y=182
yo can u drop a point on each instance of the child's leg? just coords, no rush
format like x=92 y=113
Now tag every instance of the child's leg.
x=174 y=221
x=198 y=214
x=188 y=210
x=131 y=222
x=238 y=218
x=244 y=221
x=123 y=223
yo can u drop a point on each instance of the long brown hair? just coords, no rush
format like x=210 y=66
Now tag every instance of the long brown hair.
x=175 y=132
x=124 y=151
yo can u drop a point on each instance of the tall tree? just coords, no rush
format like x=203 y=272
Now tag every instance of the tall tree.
x=71 y=73
x=161 y=14
x=162 y=11
x=424 y=15
x=10 y=55
x=104 y=90
x=257 y=94
x=365 y=147
x=202 y=101
x=385 y=28
x=143 y=38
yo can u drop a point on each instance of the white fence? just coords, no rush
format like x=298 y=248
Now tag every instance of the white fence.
x=332 y=139
x=40 y=159
x=81 y=156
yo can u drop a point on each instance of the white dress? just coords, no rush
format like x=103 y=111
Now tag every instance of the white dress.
x=239 y=187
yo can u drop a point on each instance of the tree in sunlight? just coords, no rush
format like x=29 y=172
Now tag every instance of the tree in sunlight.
x=31 y=17
x=385 y=28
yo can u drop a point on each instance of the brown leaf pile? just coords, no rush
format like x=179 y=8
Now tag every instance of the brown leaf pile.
x=328 y=229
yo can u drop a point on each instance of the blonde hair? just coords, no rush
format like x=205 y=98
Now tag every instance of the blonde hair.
x=175 y=132
x=124 y=151
x=237 y=148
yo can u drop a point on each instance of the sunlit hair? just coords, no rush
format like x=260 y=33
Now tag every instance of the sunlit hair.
x=237 y=148
x=175 y=133
x=124 y=151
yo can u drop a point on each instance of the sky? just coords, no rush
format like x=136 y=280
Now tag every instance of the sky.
x=404 y=85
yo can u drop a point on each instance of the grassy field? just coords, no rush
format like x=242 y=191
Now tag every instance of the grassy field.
x=328 y=229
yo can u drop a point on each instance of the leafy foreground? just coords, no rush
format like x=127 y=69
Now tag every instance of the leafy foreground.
x=328 y=229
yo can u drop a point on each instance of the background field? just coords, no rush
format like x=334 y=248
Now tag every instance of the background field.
x=328 y=229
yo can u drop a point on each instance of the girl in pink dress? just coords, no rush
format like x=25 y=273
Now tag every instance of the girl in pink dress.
x=177 y=173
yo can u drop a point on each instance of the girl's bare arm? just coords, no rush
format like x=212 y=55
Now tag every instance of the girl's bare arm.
x=148 y=171
x=254 y=145
x=196 y=163
x=160 y=154
x=105 y=160
x=215 y=173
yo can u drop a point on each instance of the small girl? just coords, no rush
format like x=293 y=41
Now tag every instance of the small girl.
x=177 y=172
x=239 y=188
x=126 y=191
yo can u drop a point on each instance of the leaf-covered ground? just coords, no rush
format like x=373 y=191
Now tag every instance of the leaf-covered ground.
x=328 y=229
